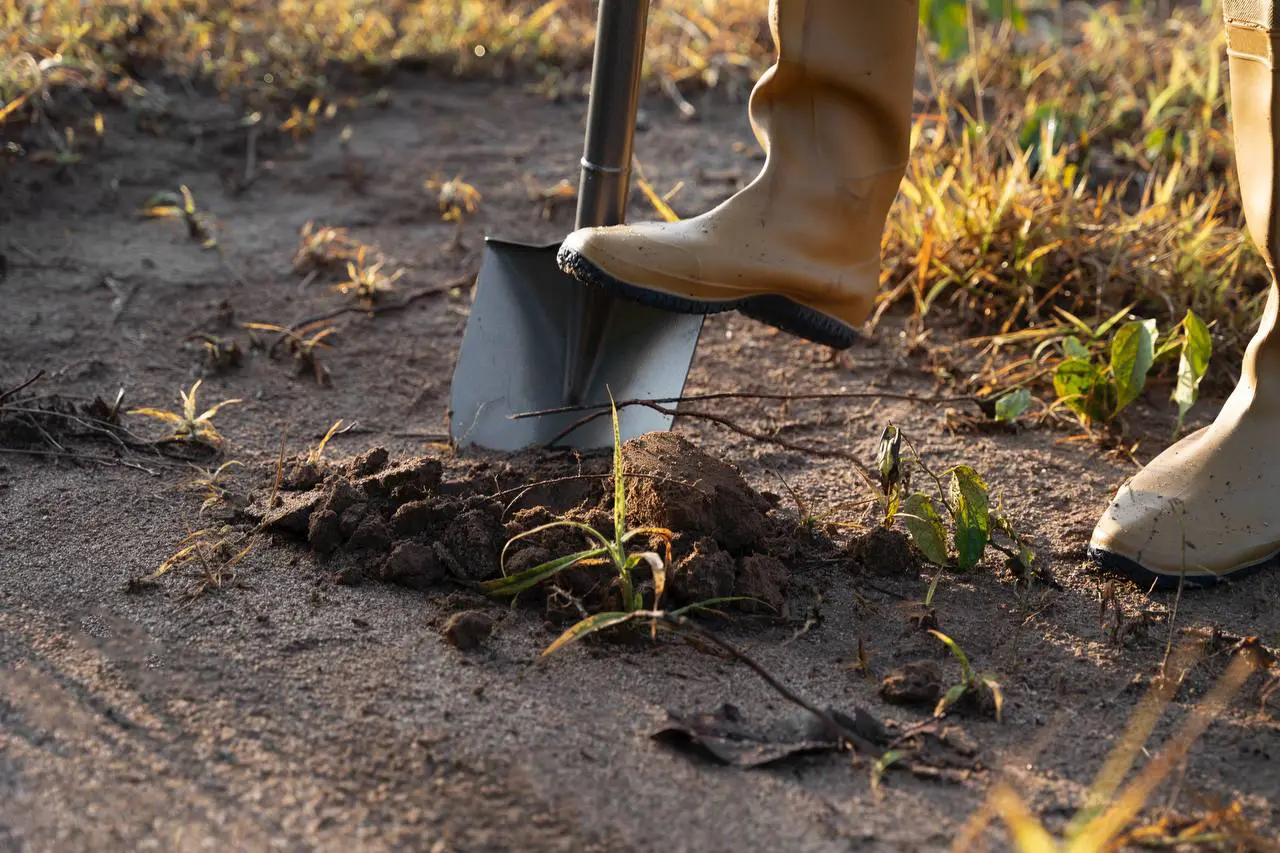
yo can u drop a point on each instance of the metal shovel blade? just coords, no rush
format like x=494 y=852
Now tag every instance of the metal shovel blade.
x=516 y=347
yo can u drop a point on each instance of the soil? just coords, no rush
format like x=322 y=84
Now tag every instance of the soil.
x=346 y=684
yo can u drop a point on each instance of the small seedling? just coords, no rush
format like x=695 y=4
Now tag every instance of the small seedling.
x=456 y=198
x=302 y=349
x=168 y=204
x=366 y=282
x=321 y=248
x=972 y=684
x=210 y=482
x=965 y=498
x=219 y=353
x=189 y=426
x=615 y=553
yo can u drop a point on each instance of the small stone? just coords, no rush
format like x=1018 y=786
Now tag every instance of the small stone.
x=324 y=532
x=467 y=630
x=414 y=565
x=372 y=534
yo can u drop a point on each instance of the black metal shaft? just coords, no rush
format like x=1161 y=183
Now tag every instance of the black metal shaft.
x=606 y=167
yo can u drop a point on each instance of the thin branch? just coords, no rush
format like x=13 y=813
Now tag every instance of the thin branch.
x=751 y=395
x=740 y=430
x=12 y=391
x=681 y=624
x=408 y=300
x=80 y=457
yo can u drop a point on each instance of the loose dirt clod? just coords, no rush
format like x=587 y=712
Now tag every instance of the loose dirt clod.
x=884 y=552
x=917 y=683
x=467 y=630
x=400 y=522
x=679 y=487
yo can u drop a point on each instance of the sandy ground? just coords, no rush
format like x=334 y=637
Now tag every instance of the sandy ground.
x=286 y=711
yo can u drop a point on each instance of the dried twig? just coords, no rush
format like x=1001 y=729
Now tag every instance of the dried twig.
x=405 y=302
x=732 y=427
x=5 y=395
x=850 y=738
x=603 y=409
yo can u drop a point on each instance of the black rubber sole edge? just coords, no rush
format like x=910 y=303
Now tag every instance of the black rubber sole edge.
x=1160 y=580
x=775 y=310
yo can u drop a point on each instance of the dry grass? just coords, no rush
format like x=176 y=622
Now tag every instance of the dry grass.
x=1083 y=163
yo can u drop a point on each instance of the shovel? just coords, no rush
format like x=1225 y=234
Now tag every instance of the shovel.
x=538 y=339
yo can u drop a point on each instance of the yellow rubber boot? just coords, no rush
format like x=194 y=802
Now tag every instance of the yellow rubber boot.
x=799 y=247
x=1210 y=504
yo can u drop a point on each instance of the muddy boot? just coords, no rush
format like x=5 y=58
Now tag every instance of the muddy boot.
x=1211 y=502
x=798 y=248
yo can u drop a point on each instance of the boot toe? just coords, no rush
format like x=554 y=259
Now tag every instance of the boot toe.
x=1178 y=520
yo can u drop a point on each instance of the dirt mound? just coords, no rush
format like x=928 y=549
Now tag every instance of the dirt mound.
x=416 y=523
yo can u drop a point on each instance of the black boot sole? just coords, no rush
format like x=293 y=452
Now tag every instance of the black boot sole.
x=1147 y=579
x=773 y=309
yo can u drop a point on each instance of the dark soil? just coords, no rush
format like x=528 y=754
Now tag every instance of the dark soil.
x=343 y=684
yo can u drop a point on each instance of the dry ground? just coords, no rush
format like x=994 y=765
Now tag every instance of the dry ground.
x=287 y=711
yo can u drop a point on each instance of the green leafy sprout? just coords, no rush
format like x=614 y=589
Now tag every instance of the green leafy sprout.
x=964 y=497
x=972 y=682
x=615 y=552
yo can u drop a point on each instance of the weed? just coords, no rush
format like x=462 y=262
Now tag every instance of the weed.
x=302 y=349
x=1101 y=823
x=324 y=247
x=366 y=282
x=456 y=198
x=220 y=354
x=189 y=426
x=182 y=205
x=615 y=553
x=216 y=551
x=966 y=500
x=210 y=482
x=973 y=685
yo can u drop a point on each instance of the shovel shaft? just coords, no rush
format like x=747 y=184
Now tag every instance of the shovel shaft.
x=611 y=113
x=606 y=170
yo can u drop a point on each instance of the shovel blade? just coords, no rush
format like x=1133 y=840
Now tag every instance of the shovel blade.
x=514 y=357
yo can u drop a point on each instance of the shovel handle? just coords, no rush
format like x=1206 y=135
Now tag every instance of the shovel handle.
x=611 y=112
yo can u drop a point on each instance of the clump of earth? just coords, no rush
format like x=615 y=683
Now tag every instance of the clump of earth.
x=420 y=524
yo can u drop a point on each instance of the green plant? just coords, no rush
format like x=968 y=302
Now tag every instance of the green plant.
x=965 y=498
x=972 y=683
x=1097 y=391
x=614 y=552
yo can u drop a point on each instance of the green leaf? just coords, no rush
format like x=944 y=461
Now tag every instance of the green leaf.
x=1132 y=354
x=590 y=625
x=1082 y=388
x=966 y=670
x=530 y=577
x=889 y=458
x=1197 y=347
x=925 y=528
x=972 y=516
x=1072 y=348
x=1013 y=404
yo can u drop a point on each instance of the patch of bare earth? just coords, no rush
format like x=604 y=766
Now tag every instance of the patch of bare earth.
x=345 y=686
